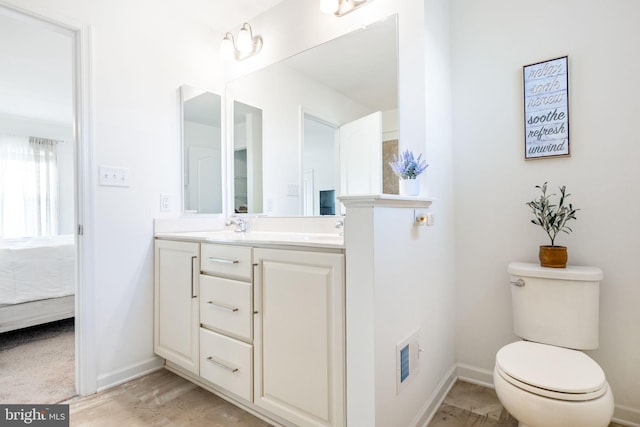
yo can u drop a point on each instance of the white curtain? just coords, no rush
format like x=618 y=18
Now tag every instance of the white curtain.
x=28 y=187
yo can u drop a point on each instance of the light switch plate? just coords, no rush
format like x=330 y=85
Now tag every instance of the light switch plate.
x=114 y=176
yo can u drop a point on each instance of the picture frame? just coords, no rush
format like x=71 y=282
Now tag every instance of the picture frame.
x=546 y=109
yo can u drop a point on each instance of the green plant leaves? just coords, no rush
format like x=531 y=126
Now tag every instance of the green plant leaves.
x=552 y=217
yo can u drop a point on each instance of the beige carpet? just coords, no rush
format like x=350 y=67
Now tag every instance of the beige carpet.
x=37 y=364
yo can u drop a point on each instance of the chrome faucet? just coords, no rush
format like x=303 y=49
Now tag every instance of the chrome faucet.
x=340 y=226
x=239 y=221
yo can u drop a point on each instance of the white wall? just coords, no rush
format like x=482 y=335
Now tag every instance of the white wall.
x=66 y=186
x=491 y=42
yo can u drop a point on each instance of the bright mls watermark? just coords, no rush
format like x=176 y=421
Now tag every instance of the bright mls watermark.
x=34 y=415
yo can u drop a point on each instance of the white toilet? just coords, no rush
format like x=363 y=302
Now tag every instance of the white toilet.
x=545 y=380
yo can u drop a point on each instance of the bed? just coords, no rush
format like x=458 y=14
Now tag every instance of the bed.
x=37 y=281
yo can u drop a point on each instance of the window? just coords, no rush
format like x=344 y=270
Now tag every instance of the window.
x=28 y=187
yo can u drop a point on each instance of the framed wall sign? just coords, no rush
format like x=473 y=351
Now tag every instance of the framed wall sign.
x=546 y=109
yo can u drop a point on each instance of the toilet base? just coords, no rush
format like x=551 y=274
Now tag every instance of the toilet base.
x=532 y=410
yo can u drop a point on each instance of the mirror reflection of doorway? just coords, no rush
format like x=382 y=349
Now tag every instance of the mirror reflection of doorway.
x=201 y=145
x=38 y=205
x=319 y=160
x=247 y=158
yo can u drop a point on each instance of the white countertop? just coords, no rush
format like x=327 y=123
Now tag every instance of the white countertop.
x=260 y=238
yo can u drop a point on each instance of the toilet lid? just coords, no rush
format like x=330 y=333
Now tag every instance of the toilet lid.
x=551 y=368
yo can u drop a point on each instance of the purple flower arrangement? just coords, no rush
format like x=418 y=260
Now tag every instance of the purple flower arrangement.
x=408 y=167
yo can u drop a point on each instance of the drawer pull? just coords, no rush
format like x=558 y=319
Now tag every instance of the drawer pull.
x=222 y=306
x=223 y=260
x=222 y=365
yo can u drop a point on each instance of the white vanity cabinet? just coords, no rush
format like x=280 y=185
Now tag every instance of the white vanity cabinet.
x=262 y=324
x=226 y=317
x=299 y=338
x=176 y=305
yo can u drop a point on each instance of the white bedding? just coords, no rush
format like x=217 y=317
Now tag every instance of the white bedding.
x=36 y=268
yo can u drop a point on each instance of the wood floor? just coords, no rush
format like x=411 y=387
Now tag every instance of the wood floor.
x=165 y=399
x=469 y=405
x=158 y=399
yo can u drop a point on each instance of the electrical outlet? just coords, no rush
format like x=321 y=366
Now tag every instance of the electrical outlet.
x=292 y=190
x=425 y=219
x=165 y=203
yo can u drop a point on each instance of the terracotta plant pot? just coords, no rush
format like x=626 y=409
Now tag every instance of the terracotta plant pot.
x=553 y=256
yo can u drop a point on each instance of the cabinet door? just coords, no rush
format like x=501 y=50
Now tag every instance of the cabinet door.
x=299 y=349
x=176 y=321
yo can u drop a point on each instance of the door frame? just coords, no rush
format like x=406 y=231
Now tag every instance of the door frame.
x=85 y=319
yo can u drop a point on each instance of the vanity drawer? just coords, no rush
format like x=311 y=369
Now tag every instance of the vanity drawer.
x=225 y=305
x=226 y=362
x=226 y=260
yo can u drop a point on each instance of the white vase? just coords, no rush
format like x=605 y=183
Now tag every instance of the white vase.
x=409 y=187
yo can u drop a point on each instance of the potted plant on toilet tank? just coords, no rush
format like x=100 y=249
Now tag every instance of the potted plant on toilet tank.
x=553 y=217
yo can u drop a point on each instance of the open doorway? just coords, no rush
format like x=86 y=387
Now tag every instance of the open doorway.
x=38 y=210
x=319 y=170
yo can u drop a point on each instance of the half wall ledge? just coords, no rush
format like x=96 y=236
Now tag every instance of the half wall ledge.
x=384 y=200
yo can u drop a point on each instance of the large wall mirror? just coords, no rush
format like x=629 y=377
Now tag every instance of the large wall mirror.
x=201 y=151
x=304 y=107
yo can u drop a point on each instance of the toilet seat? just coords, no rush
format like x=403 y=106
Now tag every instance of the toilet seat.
x=549 y=371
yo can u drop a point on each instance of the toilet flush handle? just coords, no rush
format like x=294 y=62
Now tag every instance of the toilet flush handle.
x=519 y=283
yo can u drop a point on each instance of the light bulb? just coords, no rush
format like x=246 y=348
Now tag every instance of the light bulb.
x=227 y=50
x=329 y=6
x=245 y=39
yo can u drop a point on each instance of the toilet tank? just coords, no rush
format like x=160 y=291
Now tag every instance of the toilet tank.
x=556 y=306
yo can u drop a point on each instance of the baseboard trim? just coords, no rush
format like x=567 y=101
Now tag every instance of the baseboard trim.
x=430 y=408
x=129 y=373
x=474 y=375
x=626 y=416
x=623 y=415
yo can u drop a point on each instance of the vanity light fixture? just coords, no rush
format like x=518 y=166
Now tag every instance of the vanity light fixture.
x=341 y=7
x=247 y=45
